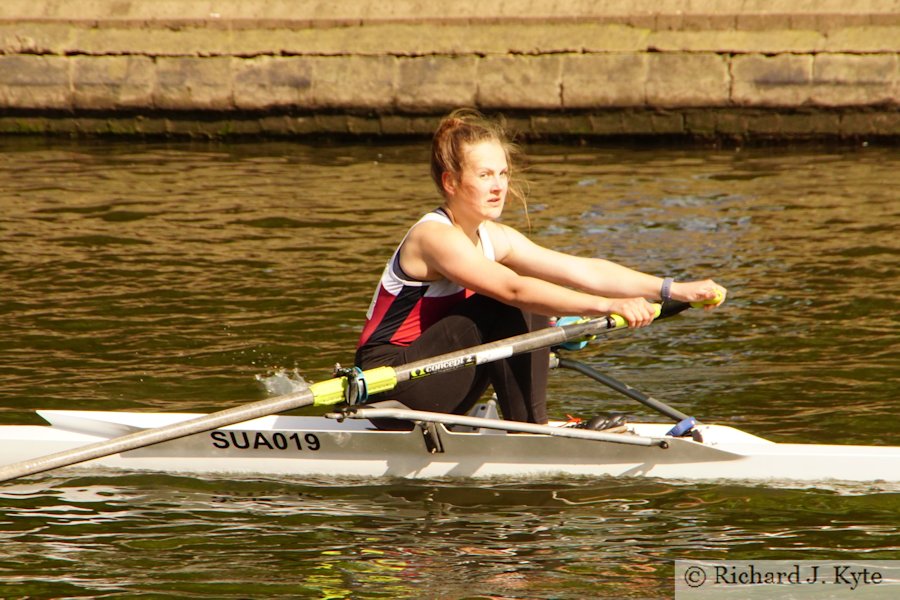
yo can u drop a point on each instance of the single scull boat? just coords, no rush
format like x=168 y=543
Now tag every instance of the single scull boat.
x=253 y=440
x=446 y=446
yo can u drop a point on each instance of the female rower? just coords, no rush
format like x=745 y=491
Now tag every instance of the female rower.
x=458 y=279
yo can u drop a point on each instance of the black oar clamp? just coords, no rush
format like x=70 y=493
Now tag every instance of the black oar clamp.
x=356 y=391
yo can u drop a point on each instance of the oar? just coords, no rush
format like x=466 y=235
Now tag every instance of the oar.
x=668 y=309
x=622 y=388
x=330 y=392
x=324 y=393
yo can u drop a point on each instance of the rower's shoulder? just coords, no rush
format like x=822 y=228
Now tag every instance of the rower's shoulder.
x=434 y=238
x=503 y=238
x=427 y=228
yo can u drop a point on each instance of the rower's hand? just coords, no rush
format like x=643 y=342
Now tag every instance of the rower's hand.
x=637 y=312
x=706 y=292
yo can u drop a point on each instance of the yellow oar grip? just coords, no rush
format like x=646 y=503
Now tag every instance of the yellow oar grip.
x=619 y=320
x=380 y=379
x=331 y=391
x=711 y=302
x=328 y=392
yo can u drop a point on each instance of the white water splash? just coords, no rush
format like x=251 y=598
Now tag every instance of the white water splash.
x=281 y=381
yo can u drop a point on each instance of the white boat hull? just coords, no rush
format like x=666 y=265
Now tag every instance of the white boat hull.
x=318 y=446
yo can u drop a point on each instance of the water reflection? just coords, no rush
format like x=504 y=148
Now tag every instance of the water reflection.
x=140 y=534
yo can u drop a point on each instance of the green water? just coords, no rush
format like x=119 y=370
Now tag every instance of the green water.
x=171 y=277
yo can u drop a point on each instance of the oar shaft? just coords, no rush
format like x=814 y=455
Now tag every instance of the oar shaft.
x=322 y=393
x=493 y=351
x=622 y=388
x=150 y=437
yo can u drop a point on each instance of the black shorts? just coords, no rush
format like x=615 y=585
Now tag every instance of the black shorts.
x=519 y=381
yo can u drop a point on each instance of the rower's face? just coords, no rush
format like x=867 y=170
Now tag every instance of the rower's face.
x=484 y=180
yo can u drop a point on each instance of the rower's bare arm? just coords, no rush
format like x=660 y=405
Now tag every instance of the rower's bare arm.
x=593 y=275
x=448 y=252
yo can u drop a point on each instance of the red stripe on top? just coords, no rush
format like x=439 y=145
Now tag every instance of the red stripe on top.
x=423 y=314
x=402 y=308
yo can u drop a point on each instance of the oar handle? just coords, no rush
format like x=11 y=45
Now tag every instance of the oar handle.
x=717 y=299
x=661 y=311
x=670 y=308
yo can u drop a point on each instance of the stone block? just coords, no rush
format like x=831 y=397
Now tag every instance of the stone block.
x=737 y=42
x=422 y=126
x=701 y=122
x=237 y=126
x=190 y=83
x=268 y=82
x=669 y=22
x=358 y=125
x=36 y=38
x=808 y=124
x=686 y=80
x=647 y=122
x=853 y=80
x=410 y=39
x=431 y=83
x=153 y=41
x=667 y=123
x=395 y=125
x=274 y=41
x=645 y=21
x=781 y=80
x=516 y=124
x=731 y=123
x=870 y=39
x=191 y=127
x=35 y=82
x=479 y=39
x=709 y=21
x=765 y=124
x=23 y=125
x=604 y=80
x=755 y=21
x=870 y=123
x=276 y=124
x=150 y=125
x=111 y=82
x=304 y=125
x=828 y=22
x=520 y=82
x=283 y=39
x=377 y=39
x=331 y=123
x=605 y=38
x=607 y=122
x=550 y=124
x=367 y=82
x=792 y=124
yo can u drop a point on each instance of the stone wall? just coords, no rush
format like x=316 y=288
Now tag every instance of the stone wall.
x=764 y=68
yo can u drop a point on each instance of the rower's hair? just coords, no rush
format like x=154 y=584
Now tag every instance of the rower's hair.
x=464 y=127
